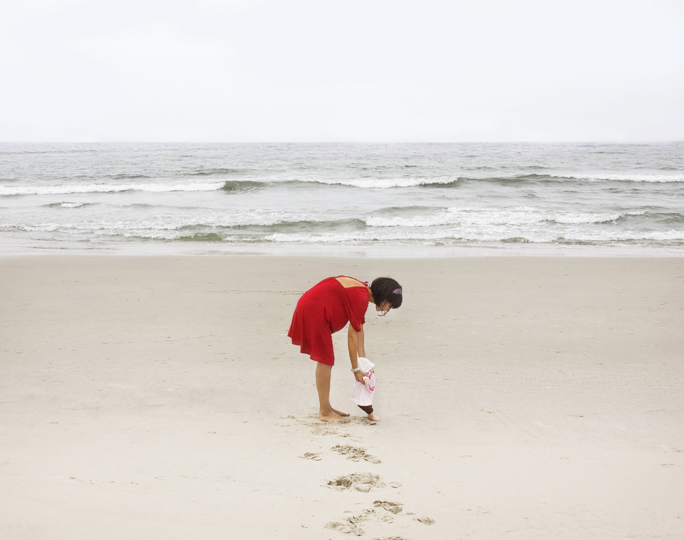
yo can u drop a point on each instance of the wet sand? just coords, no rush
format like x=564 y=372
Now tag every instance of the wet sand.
x=526 y=397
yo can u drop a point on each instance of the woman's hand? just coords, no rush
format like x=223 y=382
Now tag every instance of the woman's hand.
x=359 y=375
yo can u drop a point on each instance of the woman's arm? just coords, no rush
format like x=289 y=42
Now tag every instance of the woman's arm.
x=362 y=347
x=356 y=348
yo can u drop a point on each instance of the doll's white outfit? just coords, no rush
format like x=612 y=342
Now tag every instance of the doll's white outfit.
x=362 y=394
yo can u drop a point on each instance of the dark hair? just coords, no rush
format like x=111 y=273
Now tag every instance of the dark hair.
x=386 y=289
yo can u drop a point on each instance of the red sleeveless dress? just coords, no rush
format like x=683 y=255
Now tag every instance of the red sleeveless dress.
x=324 y=309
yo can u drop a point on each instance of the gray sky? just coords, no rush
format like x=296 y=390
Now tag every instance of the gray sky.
x=260 y=70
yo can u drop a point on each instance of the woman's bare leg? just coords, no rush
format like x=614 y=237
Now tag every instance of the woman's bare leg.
x=325 y=412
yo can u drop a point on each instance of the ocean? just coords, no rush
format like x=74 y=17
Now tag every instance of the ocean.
x=342 y=199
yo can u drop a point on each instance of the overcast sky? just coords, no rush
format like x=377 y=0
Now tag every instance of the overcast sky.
x=260 y=70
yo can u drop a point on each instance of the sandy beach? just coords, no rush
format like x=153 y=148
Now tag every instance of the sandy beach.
x=160 y=398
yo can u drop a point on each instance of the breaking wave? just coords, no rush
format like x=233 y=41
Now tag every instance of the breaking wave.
x=626 y=177
x=107 y=188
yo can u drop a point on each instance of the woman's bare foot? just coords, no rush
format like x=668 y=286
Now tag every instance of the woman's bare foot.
x=340 y=413
x=373 y=417
x=332 y=417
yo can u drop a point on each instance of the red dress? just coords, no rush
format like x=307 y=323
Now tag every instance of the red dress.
x=324 y=309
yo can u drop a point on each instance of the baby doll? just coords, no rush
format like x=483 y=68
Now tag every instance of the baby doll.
x=362 y=393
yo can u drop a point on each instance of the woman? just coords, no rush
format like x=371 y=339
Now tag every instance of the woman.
x=325 y=309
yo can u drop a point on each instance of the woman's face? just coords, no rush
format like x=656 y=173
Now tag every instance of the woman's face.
x=383 y=308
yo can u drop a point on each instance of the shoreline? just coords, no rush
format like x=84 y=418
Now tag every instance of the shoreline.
x=361 y=252
x=159 y=397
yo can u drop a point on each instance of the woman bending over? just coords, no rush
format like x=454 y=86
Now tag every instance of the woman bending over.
x=326 y=308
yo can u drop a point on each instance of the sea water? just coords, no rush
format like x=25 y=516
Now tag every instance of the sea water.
x=368 y=199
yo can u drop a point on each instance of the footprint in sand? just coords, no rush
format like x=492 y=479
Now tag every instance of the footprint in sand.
x=327 y=428
x=314 y=456
x=383 y=511
x=359 y=481
x=323 y=428
x=347 y=528
x=355 y=453
x=352 y=525
x=318 y=427
x=394 y=507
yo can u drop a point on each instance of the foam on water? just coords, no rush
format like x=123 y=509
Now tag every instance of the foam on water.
x=474 y=216
x=362 y=183
x=387 y=183
x=627 y=176
x=492 y=236
x=106 y=188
